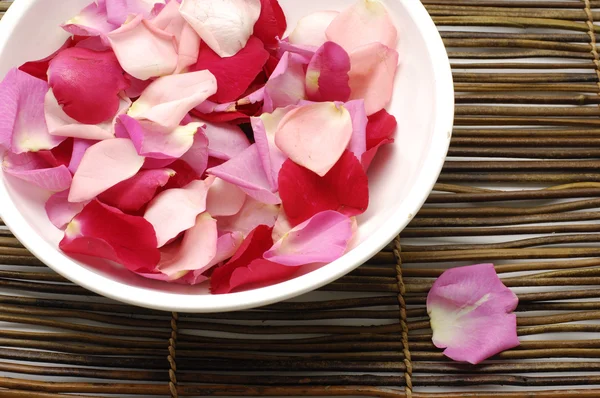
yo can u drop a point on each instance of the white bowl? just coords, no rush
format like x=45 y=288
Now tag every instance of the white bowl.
x=401 y=177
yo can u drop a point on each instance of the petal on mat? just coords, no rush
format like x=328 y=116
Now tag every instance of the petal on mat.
x=105 y=232
x=119 y=11
x=365 y=22
x=60 y=211
x=271 y=23
x=286 y=86
x=132 y=194
x=87 y=83
x=22 y=124
x=169 y=99
x=30 y=167
x=344 y=189
x=471 y=316
x=246 y=171
x=197 y=249
x=315 y=136
x=252 y=214
x=310 y=30
x=372 y=75
x=104 y=165
x=358 y=142
x=39 y=68
x=225 y=141
x=321 y=239
x=380 y=131
x=327 y=74
x=175 y=210
x=225 y=25
x=184 y=174
x=224 y=199
x=234 y=74
x=197 y=155
x=91 y=21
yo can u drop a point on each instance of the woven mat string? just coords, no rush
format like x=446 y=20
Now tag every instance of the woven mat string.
x=403 y=318
x=172 y=356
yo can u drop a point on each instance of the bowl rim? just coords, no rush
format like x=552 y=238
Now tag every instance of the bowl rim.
x=144 y=297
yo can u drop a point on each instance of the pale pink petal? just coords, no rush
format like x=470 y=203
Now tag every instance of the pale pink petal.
x=327 y=74
x=22 y=124
x=143 y=50
x=321 y=239
x=372 y=75
x=315 y=136
x=470 y=312
x=175 y=210
x=252 y=214
x=169 y=99
x=197 y=156
x=305 y=51
x=282 y=226
x=30 y=167
x=208 y=107
x=225 y=140
x=224 y=199
x=104 y=165
x=365 y=22
x=246 y=171
x=79 y=148
x=119 y=11
x=310 y=30
x=286 y=86
x=224 y=25
x=60 y=211
x=91 y=21
x=358 y=142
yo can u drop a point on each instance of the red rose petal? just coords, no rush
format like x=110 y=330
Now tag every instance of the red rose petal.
x=380 y=131
x=234 y=74
x=86 y=84
x=105 y=232
x=60 y=155
x=184 y=174
x=271 y=23
x=39 y=68
x=345 y=188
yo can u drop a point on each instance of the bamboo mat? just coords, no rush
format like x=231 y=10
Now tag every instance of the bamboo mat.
x=527 y=76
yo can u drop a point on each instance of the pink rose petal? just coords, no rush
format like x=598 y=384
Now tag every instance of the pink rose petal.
x=105 y=232
x=197 y=155
x=22 y=124
x=119 y=11
x=372 y=75
x=327 y=74
x=365 y=22
x=94 y=43
x=32 y=168
x=315 y=136
x=137 y=86
x=184 y=174
x=224 y=140
x=252 y=214
x=60 y=211
x=224 y=25
x=143 y=50
x=305 y=51
x=59 y=155
x=310 y=30
x=358 y=142
x=286 y=86
x=471 y=313
x=104 y=165
x=282 y=226
x=79 y=148
x=39 y=68
x=175 y=210
x=321 y=239
x=224 y=199
x=91 y=21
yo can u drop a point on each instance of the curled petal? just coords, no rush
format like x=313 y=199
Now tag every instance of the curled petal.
x=327 y=74
x=31 y=168
x=39 y=68
x=224 y=25
x=224 y=199
x=105 y=232
x=315 y=135
x=175 y=210
x=286 y=86
x=372 y=75
x=321 y=239
x=470 y=312
x=197 y=155
x=132 y=194
x=22 y=124
x=271 y=23
x=104 y=165
x=365 y=22
x=91 y=21
x=79 y=148
x=87 y=83
x=143 y=50
x=306 y=52
x=344 y=189
x=59 y=155
x=225 y=141
x=380 y=131
x=358 y=142
x=119 y=11
x=60 y=211
x=310 y=30
x=252 y=214
x=184 y=174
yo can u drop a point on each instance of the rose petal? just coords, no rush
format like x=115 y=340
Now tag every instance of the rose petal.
x=327 y=74
x=22 y=124
x=39 y=68
x=315 y=136
x=91 y=21
x=104 y=165
x=358 y=142
x=169 y=99
x=246 y=171
x=252 y=214
x=30 y=167
x=79 y=148
x=60 y=211
x=119 y=11
x=271 y=23
x=224 y=199
x=184 y=174
x=366 y=22
x=468 y=306
x=197 y=155
x=321 y=239
x=282 y=226
x=286 y=86
x=380 y=131
x=234 y=74
x=224 y=25
x=224 y=140
x=372 y=75
x=132 y=194
x=310 y=30
x=59 y=155
x=344 y=189
x=305 y=51
x=105 y=232
x=137 y=86
x=95 y=43
x=87 y=83
x=175 y=210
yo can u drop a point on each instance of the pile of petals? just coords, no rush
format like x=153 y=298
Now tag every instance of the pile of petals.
x=190 y=140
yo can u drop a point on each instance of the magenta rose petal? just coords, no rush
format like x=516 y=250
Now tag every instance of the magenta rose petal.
x=105 y=232
x=175 y=210
x=252 y=214
x=471 y=313
x=225 y=26
x=224 y=199
x=310 y=30
x=91 y=21
x=132 y=194
x=32 y=168
x=305 y=51
x=321 y=239
x=286 y=86
x=365 y=22
x=327 y=74
x=380 y=131
x=104 y=165
x=271 y=23
x=79 y=148
x=224 y=140
x=119 y=11
x=60 y=211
